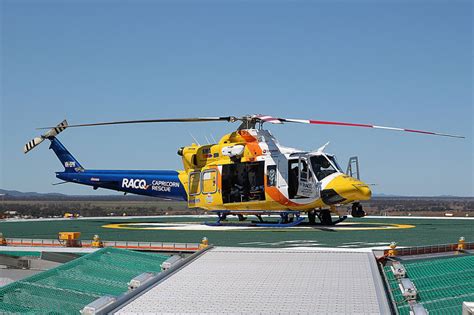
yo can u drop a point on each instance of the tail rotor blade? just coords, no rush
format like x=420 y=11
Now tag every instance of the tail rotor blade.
x=32 y=144
x=51 y=133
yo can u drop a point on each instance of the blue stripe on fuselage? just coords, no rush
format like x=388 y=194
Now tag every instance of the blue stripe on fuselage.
x=163 y=184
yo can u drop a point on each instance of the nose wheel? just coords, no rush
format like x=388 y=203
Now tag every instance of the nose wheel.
x=312 y=217
x=357 y=211
x=325 y=217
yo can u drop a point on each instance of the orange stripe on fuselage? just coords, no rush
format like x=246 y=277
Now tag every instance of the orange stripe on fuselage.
x=251 y=143
x=276 y=195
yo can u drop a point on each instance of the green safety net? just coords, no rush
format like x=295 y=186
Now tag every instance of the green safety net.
x=66 y=289
x=20 y=253
x=443 y=284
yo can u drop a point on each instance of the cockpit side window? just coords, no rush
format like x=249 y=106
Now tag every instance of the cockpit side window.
x=322 y=167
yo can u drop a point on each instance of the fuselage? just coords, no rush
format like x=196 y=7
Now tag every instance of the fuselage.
x=246 y=170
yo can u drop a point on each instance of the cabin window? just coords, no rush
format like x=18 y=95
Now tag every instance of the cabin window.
x=209 y=181
x=305 y=173
x=194 y=183
x=271 y=175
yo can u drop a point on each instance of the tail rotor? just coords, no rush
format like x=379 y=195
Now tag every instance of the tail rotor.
x=50 y=134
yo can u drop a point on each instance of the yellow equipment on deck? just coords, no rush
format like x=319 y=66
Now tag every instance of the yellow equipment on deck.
x=3 y=240
x=204 y=243
x=392 y=251
x=96 y=242
x=70 y=239
x=461 y=244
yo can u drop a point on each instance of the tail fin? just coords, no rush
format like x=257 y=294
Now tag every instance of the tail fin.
x=71 y=165
x=51 y=133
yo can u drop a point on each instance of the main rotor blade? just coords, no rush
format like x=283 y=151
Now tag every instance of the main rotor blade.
x=337 y=123
x=194 y=119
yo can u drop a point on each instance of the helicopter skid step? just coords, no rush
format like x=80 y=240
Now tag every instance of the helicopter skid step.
x=287 y=219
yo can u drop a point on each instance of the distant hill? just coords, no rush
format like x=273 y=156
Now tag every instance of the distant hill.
x=385 y=195
x=18 y=195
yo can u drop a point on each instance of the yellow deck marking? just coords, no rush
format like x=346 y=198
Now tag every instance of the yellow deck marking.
x=344 y=226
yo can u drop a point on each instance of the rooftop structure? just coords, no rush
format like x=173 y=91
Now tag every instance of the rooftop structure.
x=251 y=280
x=69 y=287
x=295 y=270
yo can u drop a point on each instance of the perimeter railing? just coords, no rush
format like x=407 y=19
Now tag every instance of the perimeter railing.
x=430 y=249
x=152 y=246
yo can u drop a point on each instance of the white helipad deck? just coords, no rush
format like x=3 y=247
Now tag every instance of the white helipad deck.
x=246 y=280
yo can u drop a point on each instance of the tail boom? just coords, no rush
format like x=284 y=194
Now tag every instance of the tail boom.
x=154 y=183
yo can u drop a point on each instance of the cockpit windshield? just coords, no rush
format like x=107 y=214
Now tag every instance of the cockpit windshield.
x=332 y=158
x=322 y=167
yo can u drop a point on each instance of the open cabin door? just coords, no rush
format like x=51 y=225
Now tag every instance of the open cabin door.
x=243 y=182
x=307 y=185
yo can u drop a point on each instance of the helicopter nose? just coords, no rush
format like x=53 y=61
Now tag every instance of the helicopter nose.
x=344 y=188
x=363 y=193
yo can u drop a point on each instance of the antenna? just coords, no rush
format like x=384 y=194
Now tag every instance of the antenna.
x=213 y=139
x=207 y=140
x=194 y=138
x=321 y=149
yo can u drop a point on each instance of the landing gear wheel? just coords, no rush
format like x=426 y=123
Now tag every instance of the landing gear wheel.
x=312 y=217
x=357 y=211
x=222 y=217
x=325 y=217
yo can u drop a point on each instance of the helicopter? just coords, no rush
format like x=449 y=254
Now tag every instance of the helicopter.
x=246 y=173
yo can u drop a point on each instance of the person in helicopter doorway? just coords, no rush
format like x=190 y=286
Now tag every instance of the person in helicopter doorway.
x=256 y=191
x=240 y=188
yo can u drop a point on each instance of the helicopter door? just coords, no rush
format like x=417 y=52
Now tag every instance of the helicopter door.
x=209 y=181
x=194 y=188
x=307 y=187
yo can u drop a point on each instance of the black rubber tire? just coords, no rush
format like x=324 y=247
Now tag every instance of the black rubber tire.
x=357 y=210
x=325 y=217
x=312 y=217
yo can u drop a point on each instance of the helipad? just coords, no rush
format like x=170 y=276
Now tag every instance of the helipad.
x=284 y=267
x=353 y=233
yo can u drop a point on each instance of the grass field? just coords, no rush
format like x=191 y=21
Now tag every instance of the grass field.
x=354 y=233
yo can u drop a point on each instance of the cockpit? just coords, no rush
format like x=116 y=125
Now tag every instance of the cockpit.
x=305 y=170
x=324 y=165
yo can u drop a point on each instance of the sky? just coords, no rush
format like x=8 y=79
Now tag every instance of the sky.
x=397 y=63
